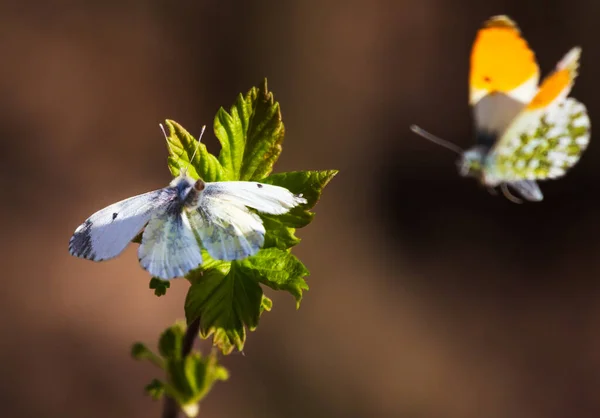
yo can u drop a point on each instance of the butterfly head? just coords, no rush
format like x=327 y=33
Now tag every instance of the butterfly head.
x=188 y=189
x=471 y=163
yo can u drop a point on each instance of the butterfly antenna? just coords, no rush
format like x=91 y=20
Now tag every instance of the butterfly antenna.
x=436 y=140
x=162 y=128
x=171 y=150
x=197 y=145
x=199 y=142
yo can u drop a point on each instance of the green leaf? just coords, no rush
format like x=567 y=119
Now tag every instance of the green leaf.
x=205 y=372
x=226 y=305
x=281 y=228
x=209 y=265
x=139 y=351
x=155 y=389
x=190 y=379
x=266 y=304
x=182 y=146
x=160 y=286
x=280 y=270
x=181 y=384
x=309 y=184
x=250 y=134
x=278 y=235
x=171 y=341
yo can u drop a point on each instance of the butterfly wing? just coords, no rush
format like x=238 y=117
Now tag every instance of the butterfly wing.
x=106 y=233
x=169 y=247
x=549 y=136
x=228 y=232
x=265 y=198
x=503 y=77
x=227 y=228
x=528 y=189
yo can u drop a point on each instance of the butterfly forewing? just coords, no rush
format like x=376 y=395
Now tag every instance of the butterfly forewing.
x=503 y=76
x=265 y=198
x=227 y=229
x=106 y=233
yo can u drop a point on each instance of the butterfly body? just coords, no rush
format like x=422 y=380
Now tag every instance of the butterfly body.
x=181 y=219
x=184 y=186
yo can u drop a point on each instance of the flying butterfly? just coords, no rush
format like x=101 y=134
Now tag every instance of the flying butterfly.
x=180 y=219
x=524 y=132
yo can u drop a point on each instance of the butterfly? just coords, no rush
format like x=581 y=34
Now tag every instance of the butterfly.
x=524 y=132
x=181 y=219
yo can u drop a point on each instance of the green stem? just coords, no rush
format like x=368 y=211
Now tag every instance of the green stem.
x=156 y=360
x=170 y=407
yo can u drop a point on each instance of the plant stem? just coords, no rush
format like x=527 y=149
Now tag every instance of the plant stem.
x=170 y=407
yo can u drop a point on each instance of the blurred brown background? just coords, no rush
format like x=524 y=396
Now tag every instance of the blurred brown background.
x=429 y=297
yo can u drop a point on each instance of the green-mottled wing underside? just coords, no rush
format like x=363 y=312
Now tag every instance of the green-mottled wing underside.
x=541 y=144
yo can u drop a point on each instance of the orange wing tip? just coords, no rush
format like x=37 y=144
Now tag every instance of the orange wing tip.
x=570 y=61
x=558 y=85
x=501 y=21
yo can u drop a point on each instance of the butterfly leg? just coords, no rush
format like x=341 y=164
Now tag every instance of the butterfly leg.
x=509 y=195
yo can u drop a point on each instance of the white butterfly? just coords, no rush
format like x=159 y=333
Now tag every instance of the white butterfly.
x=182 y=218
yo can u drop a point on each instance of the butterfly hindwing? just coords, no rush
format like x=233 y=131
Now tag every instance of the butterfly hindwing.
x=106 y=233
x=227 y=229
x=169 y=247
x=551 y=144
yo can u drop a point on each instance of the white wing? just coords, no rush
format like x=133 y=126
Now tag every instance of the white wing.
x=169 y=247
x=227 y=229
x=106 y=233
x=265 y=198
x=503 y=77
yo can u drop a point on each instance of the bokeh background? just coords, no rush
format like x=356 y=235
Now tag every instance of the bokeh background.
x=429 y=297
